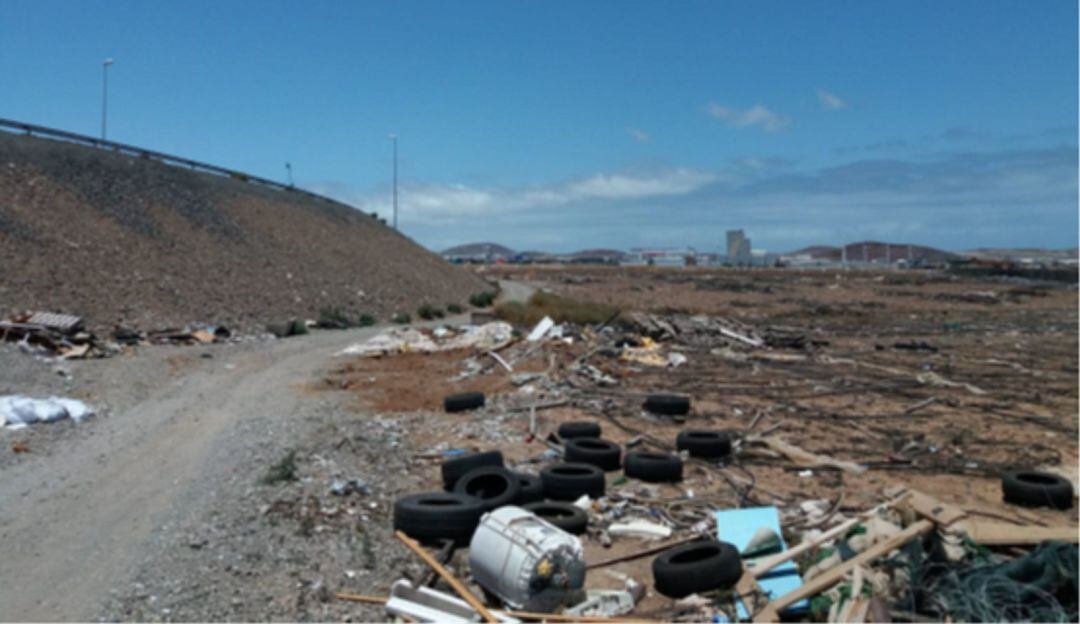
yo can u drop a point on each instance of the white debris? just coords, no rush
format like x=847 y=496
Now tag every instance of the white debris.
x=640 y=528
x=541 y=329
x=675 y=360
x=17 y=411
x=488 y=337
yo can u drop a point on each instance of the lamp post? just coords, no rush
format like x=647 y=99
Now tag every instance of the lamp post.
x=288 y=168
x=393 y=138
x=104 y=93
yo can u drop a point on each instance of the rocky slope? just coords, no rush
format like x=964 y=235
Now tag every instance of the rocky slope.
x=133 y=241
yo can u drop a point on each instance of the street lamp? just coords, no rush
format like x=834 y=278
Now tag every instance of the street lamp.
x=393 y=137
x=104 y=93
x=288 y=167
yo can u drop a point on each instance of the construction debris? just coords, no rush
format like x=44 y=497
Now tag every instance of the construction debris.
x=849 y=553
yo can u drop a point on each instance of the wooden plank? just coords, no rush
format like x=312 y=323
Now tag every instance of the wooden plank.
x=1004 y=534
x=933 y=509
x=458 y=586
x=834 y=575
x=764 y=565
x=807 y=458
x=754 y=599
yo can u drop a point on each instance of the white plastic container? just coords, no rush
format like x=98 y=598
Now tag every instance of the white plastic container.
x=527 y=562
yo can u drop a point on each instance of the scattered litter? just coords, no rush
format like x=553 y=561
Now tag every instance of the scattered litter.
x=488 y=337
x=17 y=411
x=639 y=528
x=541 y=329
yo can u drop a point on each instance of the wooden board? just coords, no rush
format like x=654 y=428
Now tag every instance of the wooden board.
x=834 y=575
x=1005 y=534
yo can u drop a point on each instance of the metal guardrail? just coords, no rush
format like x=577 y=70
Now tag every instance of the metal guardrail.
x=131 y=150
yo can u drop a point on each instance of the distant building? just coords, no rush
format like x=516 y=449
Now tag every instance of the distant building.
x=661 y=257
x=738 y=249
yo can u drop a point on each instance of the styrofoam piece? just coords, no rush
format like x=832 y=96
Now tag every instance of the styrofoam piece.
x=424 y=604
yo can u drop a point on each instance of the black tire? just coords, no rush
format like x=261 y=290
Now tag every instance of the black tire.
x=653 y=467
x=532 y=489
x=433 y=516
x=492 y=485
x=667 y=404
x=696 y=567
x=704 y=443
x=567 y=482
x=463 y=401
x=566 y=516
x=454 y=469
x=1036 y=489
x=604 y=454
x=579 y=429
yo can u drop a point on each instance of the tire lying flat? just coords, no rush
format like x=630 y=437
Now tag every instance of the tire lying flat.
x=493 y=486
x=653 y=467
x=604 y=454
x=566 y=516
x=1036 y=489
x=463 y=401
x=454 y=469
x=579 y=429
x=704 y=443
x=568 y=482
x=433 y=516
x=667 y=404
x=696 y=567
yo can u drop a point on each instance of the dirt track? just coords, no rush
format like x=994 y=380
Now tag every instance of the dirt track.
x=78 y=521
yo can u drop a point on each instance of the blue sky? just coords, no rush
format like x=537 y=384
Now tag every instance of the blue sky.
x=563 y=125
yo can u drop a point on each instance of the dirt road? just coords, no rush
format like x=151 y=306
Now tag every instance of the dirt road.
x=77 y=521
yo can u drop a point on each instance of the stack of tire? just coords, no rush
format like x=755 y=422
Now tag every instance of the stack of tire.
x=473 y=485
x=478 y=483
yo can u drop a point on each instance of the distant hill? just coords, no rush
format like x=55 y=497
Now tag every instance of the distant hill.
x=1036 y=254
x=479 y=249
x=585 y=254
x=876 y=251
x=121 y=239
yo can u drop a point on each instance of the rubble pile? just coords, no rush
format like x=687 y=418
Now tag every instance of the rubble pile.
x=640 y=494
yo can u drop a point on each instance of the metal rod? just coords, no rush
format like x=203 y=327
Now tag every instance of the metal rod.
x=393 y=137
x=104 y=94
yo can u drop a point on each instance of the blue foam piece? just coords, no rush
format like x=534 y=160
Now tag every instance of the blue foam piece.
x=737 y=527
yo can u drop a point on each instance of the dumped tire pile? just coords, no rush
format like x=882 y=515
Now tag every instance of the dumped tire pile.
x=649 y=490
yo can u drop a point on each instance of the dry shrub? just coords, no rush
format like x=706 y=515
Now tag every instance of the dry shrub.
x=560 y=309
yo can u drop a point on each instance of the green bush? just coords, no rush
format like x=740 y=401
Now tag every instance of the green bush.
x=429 y=312
x=333 y=317
x=284 y=470
x=454 y=308
x=482 y=299
x=365 y=320
x=401 y=318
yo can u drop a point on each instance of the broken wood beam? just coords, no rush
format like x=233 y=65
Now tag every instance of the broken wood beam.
x=834 y=575
x=457 y=585
x=1004 y=534
x=764 y=565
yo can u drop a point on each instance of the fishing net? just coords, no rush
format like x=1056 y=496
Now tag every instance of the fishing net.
x=1038 y=587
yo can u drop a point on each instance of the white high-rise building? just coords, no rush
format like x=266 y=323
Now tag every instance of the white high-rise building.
x=738 y=248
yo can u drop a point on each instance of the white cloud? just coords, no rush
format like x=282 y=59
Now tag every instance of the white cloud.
x=639 y=135
x=756 y=115
x=830 y=101
x=621 y=186
x=447 y=203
